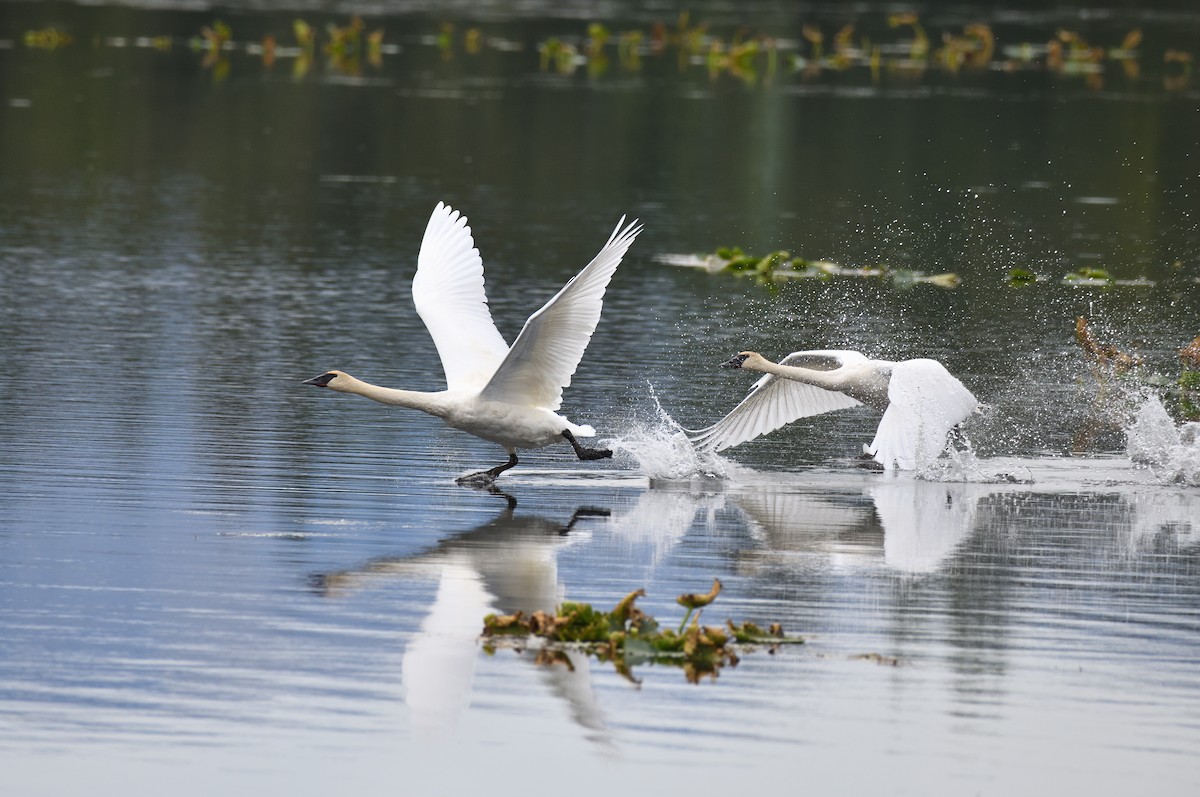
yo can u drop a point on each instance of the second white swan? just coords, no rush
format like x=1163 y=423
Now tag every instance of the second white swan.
x=921 y=402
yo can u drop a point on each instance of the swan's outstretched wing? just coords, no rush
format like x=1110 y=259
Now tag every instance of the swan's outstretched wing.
x=448 y=293
x=548 y=350
x=773 y=402
x=925 y=402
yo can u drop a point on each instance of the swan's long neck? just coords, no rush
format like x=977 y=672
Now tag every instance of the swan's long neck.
x=830 y=380
x=432 y=403
x=865 y=383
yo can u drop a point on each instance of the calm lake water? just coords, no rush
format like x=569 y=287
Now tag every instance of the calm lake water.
x=216 y=578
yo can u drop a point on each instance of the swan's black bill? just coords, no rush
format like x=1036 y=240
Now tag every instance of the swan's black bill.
x=320 y=381
x=735 y=361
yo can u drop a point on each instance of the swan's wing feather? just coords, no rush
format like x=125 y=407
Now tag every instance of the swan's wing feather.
x=448 y=293
x=925 y=402
x=546 y=353
x=770 y=404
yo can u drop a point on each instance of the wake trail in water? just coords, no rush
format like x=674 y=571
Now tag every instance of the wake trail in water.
x=1157 y=449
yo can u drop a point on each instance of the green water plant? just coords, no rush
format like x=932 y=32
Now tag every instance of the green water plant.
x=562 y=56
x=781 y=265
x=50 y=38
x=627 y=636
x=1020 y=277
x=1088 y=276
x=1189 y=380
x=213 y=42
x=213 y=38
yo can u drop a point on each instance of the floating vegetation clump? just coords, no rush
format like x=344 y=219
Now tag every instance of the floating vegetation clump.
x=781 y=265
x=47 y=38
x=1099 y=277
x=1019 y=277
x=628 y=637
x=347 y=46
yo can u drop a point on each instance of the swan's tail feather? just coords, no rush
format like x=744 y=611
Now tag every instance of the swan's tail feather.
x=583 y=431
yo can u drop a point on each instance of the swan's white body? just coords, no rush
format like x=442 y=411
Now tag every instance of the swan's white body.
x=508 y=395
x=921 y=402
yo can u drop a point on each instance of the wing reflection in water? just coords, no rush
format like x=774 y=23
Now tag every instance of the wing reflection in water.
x=506 y=565
x=914 y=525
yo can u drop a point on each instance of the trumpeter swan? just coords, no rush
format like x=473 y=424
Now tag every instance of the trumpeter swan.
x=504 y=394
x=921 y=402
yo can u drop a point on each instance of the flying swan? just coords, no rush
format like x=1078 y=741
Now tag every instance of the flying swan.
x=921 y=402
x=504 y=394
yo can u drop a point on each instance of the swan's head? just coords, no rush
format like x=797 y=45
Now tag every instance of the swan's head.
x=739 y=360
x=337 y=380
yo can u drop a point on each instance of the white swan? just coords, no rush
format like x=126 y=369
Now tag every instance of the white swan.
x=921 y=402
x=507 y=395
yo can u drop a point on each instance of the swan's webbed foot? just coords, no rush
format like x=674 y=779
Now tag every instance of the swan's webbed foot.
x=483 y=478
x=487 y=478
x=585 y=453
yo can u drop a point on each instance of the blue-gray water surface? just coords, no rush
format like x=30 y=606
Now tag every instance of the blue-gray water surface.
x=215 y=579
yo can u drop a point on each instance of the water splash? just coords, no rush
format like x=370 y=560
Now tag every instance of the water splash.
x=1171 y=453
x=960 y=463
x=661 y=450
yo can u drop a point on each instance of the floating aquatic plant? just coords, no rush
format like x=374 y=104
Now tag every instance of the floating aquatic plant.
x=213 y=38
x=781 y=265
x=50 y=38
x=1018 y=277
x=473 y=41
x=213 y=42
x=903 y=49
x=627 y=636
x=1088 y=276
x=629 y=49
x=906 y=277
x=563 y=56
x=919 y=47
x=1099 y=277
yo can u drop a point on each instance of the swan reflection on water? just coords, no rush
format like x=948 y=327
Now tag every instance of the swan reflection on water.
x=780 y=526
x=915 y=525
x=505 y=565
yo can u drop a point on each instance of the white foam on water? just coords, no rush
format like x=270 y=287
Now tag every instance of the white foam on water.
x=661 y=450
x=1154 y=441
x=663 y=453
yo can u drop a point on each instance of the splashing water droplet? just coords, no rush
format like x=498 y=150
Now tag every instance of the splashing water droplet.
x=1153 y=441
x=662 y=451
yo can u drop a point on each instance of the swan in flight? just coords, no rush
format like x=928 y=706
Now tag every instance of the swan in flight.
x=921 y=402
x=504 y=394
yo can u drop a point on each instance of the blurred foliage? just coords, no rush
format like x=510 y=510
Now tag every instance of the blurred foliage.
x=892 y=46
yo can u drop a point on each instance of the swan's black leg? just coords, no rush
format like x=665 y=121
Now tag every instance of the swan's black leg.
x=486 y=477
x=585 y=453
